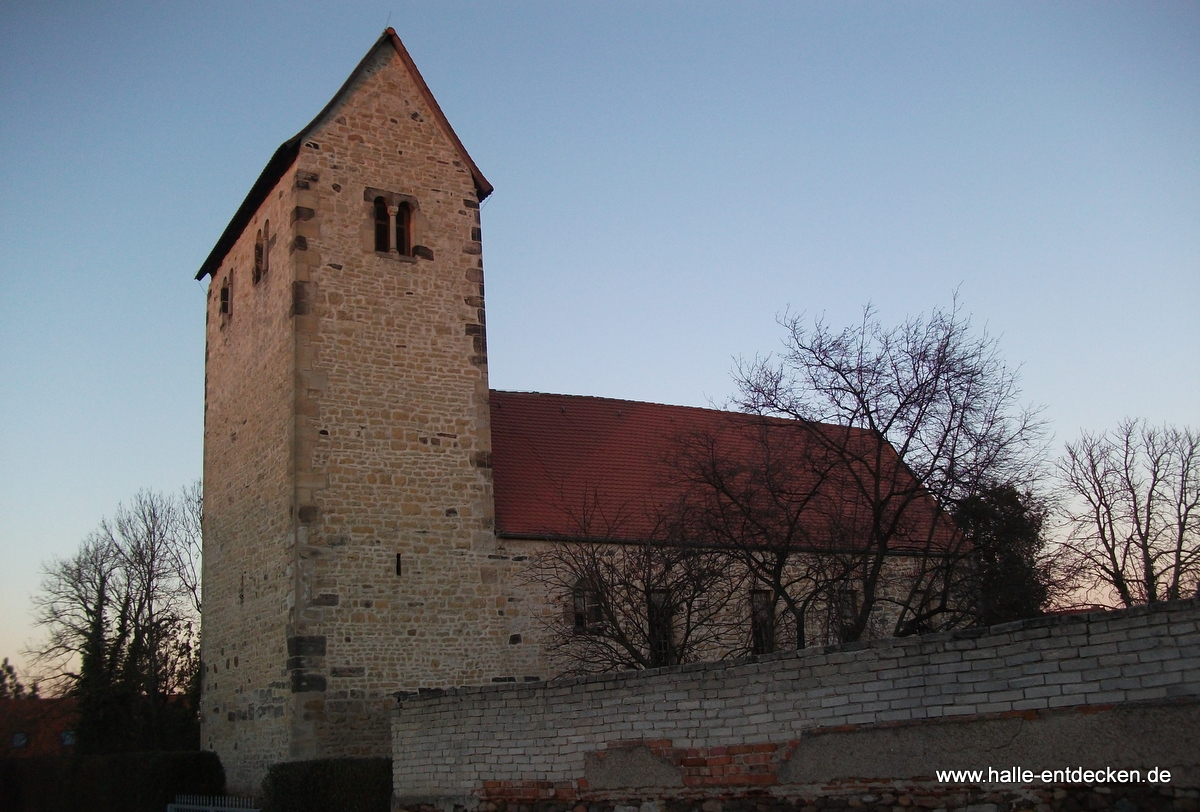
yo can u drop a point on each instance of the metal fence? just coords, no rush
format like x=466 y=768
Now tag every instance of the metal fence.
x=212 y=803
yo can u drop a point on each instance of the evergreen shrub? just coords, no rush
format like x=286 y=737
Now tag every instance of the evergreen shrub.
x=119 y=782
x=344 y=784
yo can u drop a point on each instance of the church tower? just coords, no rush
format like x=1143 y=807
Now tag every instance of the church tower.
x=348 y=516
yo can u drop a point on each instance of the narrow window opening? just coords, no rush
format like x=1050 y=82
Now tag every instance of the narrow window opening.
x=404 y=229
x=762 y=621
x=399 y=564
x=259 y=257
x=266 y=259
x=661 y=619
x=381 y=225
x=226 y=298
x=844 y=610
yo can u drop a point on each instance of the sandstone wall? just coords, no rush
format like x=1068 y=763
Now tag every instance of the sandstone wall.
x=757 y=726
x=395 y=588
x=349 y=551
x=248 y=496
x=541 y=575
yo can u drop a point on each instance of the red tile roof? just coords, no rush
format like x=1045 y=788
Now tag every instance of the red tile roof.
x=32 y=727
x=567 y=467
x=554 y=456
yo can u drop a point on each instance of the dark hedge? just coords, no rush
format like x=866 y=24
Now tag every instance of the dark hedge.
x=123 y=782
x=344 y=784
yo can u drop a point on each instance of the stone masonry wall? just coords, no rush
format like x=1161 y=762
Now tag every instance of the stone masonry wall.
x=248 y=493
x=756 y=726
x=395 y=587
x=349 y=551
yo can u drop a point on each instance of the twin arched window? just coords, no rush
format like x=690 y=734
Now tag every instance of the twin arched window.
x=384 y=231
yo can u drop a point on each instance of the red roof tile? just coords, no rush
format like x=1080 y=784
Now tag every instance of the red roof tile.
x=566 y=466
x=555 y=456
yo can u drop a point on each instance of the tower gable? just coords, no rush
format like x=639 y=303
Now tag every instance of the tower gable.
x=387 y=51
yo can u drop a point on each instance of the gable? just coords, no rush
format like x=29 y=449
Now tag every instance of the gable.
x=285 y=156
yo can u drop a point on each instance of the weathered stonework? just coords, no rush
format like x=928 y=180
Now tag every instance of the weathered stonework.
x=349 y=552
x=249 y=530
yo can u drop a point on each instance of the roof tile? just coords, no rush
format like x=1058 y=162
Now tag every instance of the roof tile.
x=566 y=466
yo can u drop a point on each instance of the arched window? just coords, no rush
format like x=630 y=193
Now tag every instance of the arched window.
x=260 y=252
x=266 y=260
x=404 y=229
x=382 y=241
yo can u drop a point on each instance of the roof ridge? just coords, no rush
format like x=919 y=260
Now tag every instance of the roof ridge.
x=729 y=412
x=614 y=400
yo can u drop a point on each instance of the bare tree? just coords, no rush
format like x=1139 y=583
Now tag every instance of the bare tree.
x=628 y=605
x=187 y=543
x=1133 y=498
x=759 y=490
x=121 y=628
x=79 y=609
x=910 y=419
x=788 y=511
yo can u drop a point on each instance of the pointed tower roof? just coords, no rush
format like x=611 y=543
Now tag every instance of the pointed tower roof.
x=285 y=156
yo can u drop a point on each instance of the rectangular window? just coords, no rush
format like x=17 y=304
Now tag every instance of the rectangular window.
x=661 y=619
x=20 y=740
x=762 y=621
x=845 y=608
x=588 y=616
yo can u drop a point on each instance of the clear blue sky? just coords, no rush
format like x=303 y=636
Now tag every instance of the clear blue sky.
x=668 y=178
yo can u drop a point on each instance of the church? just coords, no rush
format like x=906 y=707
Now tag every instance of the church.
x=370 y=503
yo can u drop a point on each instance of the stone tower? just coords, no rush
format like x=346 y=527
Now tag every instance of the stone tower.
x=348 y=500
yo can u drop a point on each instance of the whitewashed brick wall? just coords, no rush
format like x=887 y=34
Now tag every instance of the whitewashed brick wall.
x=450 y=744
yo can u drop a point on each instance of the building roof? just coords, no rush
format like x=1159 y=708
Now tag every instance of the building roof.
x=569 y=467
x=285 y=156
x=554 y=455
x=37 y=726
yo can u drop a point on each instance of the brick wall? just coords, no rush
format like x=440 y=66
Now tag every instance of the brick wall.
x=720 y=727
